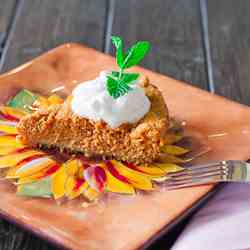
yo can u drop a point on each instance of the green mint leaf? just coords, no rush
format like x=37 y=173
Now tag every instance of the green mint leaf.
x=117 y=88
x=112 y=85
x=135 y=54
x=118 y=83
x=126 y=77
x=117 y=41
x=115 y=74
x=130 y=78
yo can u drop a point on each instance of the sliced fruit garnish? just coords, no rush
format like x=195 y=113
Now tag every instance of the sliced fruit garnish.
x=41 y=188
x=10 y=140
x=168 y=167
x=116 y=185
x=5 y=150
x=91 y=194
x=68 y=180
x=37 y=174
x=55 y=99
x=12 y=114
x=80 y=185
x=96 y=177
x=134 y=177
x=32 y=178
x=34 y=166
x=174 y=150
x=74 y=187
x=73 y=166
x=8 y=127
x=69 y=185
x=23 y=100
x=150 y=171
x=42 y=102
x=58 y=183
x=13 y=159
x=48 y=171
x=172 y=159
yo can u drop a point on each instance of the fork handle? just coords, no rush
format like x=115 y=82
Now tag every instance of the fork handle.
x=239 y=171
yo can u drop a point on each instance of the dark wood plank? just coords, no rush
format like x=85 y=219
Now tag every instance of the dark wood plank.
x=6 y=11
x=42 y=25
x=229 y=35
x=173 y=28
x=14 y=238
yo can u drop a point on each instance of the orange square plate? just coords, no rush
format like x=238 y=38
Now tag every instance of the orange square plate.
x=124 y=222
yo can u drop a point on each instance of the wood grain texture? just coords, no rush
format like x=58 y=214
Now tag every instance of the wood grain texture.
x=14 y=238
x=229 y=34
x=6 y=11
x=42 y=25
x=174 y=30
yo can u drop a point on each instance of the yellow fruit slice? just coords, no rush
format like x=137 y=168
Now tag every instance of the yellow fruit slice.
x=151 y=171
x=69 y=185
x=41 y=102
x=172 y=159
x=72 y=166
x=116 y=186
x=48 y=171
x=174 y=150
x=10 y=140
x=168 y=167
x=55 y=99
x=58 y=183
x=12 y=113
x=8 y=150
x=34 y=166
x=75 y=191
x=13 y=159
x=136 y=179
x=91 y=194
x=31 y=178
x=8 y=127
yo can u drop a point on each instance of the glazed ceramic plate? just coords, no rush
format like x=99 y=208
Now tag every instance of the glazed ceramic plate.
x=122 y=222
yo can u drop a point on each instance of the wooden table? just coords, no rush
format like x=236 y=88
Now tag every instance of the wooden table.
x=205 y=43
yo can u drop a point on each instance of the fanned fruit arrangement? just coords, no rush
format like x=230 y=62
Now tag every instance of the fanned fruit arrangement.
x=43 y=173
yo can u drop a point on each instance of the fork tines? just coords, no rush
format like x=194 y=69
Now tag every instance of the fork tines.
x=195 y=175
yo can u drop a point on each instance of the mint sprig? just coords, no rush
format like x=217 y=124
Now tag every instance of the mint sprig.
x=119 y=83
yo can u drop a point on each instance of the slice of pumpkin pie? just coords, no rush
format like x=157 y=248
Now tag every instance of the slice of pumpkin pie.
x=112 y=116
x=126 y=138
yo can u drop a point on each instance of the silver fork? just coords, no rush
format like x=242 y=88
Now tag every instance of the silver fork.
x=223 y=171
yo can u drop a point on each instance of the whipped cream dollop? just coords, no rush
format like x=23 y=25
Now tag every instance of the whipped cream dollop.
x=91 y=100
